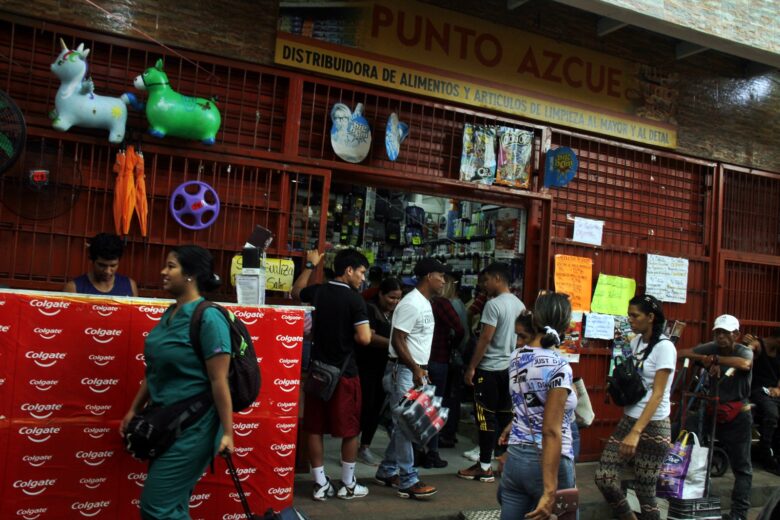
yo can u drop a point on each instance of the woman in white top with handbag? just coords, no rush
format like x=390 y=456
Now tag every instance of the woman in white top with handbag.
x=643 y=435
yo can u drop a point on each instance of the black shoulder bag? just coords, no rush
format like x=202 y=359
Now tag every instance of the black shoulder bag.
x=625 y=386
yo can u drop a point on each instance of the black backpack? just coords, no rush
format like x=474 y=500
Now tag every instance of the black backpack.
x=244 y=372
x=625 y=386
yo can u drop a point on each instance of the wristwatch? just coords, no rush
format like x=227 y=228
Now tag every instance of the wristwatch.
x=309 y=265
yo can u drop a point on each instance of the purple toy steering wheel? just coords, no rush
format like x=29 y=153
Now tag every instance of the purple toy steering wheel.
x=190 y=207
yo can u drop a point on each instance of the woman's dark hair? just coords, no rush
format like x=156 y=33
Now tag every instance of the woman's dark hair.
x=526 y=320
x=389 y=285
x=197 y=263
x=105 y=246
x=551 y=310
x=648 y=304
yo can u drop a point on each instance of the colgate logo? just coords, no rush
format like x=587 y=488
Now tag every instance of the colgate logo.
x=286 y=407
x=252 y=407
x=153 y=313
x=39 y=433
x=243 y=451
x=96 y=432
x=234 y=516
x=288 y=363
x=90 y=509
x=32 y=513
x=93 y=482
x=285 y=427
x=48 y=307
x=36 y=461
x=197 y=500
x=105 y=310
x=44 y=385
x=97 y=409
x=103 y=336
x=243 y=473
x=283 y=472
x=280 y=493
x=47 y=334
x=5 y=328
x=287 y=385
x=101 y=360
x=245 y=429
x=137 y=478
x=34 y=487
x=94 y=458
x=99 y=386
x=141 y=358
x=41 y=411
x=289 y=342
x=292 y=319
x=45 y=359
x=283 y=450
x=248 y=317
x=237 y=498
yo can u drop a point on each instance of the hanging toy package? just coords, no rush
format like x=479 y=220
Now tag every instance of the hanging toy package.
x=478 y=160
x=514 y=157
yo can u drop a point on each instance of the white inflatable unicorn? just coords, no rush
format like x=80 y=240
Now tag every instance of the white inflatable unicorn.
x=76 y=101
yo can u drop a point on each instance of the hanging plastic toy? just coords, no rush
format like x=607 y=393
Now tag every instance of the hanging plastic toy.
x=171 y=113
x=195 y=205
x=395 y=133
x=76 y=102
x=350 y=135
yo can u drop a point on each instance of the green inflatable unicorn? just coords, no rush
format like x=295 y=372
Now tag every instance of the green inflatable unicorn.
x=171 y=113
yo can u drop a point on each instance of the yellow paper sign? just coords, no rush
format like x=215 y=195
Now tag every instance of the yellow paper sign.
x=574 y=276
x=279 y=273
x=612 y=294
x=235 y=267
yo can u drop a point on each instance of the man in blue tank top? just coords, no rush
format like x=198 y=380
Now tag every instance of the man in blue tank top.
x=105 y=251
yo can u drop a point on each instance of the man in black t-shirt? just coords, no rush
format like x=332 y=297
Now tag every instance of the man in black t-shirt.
x=765 y=394
x=340 y=326
x=733 y=415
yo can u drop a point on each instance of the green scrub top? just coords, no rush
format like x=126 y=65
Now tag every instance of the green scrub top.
x=174 y=372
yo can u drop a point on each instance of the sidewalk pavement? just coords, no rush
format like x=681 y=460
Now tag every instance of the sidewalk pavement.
x=465 y=499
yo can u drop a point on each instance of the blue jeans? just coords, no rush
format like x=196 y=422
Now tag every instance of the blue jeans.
x=575 y=440
x=399 y=455
x=521 y=484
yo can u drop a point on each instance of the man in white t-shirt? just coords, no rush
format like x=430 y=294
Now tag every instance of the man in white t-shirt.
x=410 y=349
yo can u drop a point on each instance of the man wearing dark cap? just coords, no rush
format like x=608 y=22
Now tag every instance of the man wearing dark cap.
x=410 y=348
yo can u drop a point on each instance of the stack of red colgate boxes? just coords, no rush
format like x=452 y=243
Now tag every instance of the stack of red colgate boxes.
x=69 y=368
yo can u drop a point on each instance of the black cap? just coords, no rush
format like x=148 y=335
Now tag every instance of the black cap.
x=427 y=266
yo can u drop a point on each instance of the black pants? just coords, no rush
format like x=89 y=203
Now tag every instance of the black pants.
x=735 y=439
x=768 y=410
x=493 y=406
x=371 y=370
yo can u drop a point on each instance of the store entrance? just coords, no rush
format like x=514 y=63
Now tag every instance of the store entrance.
x=394 y=229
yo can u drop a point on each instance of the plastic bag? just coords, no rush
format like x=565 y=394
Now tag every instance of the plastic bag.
x=420 y=414
x=684 y=471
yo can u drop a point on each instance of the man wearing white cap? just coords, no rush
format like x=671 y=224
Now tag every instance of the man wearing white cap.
x=733 y=414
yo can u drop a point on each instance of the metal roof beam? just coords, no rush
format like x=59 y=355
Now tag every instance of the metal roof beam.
x=607 y=26
x=514 y=4
x=686 y=49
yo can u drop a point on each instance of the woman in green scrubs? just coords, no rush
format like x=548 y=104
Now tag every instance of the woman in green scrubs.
x=175 y=372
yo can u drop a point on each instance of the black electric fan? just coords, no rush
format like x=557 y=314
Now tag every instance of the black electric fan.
x=13 y=132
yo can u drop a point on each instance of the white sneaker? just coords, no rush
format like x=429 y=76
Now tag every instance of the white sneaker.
x=322 y=493
x=473 y=454
x=368 y=457
x=348 y=493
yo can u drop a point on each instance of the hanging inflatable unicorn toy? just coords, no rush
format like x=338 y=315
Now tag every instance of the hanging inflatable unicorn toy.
x=76 y=102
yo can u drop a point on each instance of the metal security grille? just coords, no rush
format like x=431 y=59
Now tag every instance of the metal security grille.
x=433 y=147
x=751 y=211
x=752 y=294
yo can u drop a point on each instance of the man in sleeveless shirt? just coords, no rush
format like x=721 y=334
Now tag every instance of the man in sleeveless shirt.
x=105 y=251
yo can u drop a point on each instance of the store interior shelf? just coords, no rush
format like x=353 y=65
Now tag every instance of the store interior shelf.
x=458 y=240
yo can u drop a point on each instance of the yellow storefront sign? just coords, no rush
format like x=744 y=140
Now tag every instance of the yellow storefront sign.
x=434 y=52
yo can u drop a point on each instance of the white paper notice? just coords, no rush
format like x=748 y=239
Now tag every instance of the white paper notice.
x=248 y=289
x=588 y=231
x=600 y=326
x=667 y=278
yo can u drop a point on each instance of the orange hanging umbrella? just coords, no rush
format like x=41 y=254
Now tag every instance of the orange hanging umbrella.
x=141 y=206
x=124 y=190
